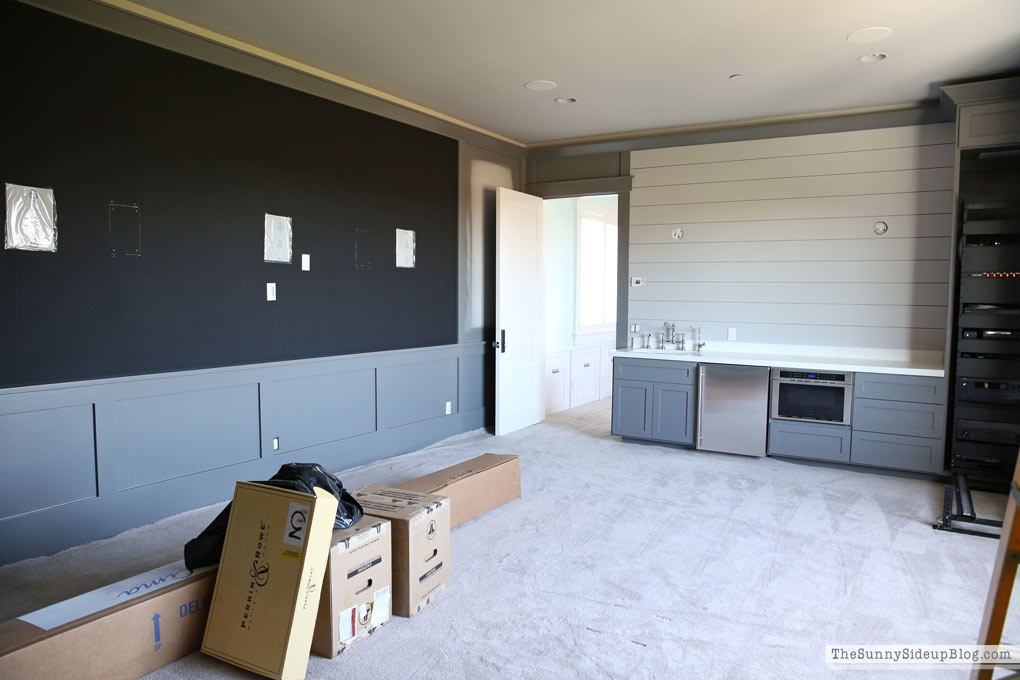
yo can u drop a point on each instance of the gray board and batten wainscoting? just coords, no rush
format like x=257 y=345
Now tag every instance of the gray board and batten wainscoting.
x=347 y=367
x=89 y=459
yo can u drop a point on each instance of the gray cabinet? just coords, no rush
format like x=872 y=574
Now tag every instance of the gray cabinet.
x=899 y=422
x=654 y=399
x=632 y=408
x=672 y=413
x=813 y=441
x=989 y=124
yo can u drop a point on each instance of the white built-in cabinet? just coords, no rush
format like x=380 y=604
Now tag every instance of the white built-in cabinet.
x=557 y=382
x=605 y=371
x=577 y=376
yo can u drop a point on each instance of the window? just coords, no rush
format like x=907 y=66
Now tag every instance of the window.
x=596 y=271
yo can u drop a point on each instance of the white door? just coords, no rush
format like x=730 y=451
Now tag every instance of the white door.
x=520 y=310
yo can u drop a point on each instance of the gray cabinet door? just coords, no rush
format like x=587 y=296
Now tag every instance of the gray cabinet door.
x=632 y=408
x=673 y=413
x=990 y=124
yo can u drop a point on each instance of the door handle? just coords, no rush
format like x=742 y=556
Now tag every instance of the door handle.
x=701 y=404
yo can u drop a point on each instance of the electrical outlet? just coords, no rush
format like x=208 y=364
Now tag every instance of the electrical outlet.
x=306 y=262
x=276 y=443
x=449 y=407
x=731 y=333
x=637 y=281
x=270 y=292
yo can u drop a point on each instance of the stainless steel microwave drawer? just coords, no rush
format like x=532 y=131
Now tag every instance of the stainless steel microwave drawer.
x=652 y=370
x=916 y=388
x=900 y=417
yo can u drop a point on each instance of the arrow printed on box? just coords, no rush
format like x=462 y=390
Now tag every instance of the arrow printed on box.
x=155 y=630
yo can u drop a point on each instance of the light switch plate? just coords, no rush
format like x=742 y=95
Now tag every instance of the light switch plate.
x=276 y=443
x=306 y=262
x=449 y=407
x=270 y=292
x=731 y=333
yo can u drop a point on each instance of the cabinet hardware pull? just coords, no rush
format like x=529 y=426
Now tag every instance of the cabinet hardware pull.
x=556 y=370
x=586 y=364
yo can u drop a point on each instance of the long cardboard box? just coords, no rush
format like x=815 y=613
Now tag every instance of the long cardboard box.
x=356 y=593
x=118 y=632
x=421 y=543
x=475 y=486
x=267 y=587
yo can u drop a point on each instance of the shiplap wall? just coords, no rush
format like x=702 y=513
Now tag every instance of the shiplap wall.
x=778 y=239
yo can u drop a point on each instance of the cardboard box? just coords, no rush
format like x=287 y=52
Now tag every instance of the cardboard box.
x=474 y=486
x=357 y=590
x=118 y=632
x=421 y=543
x=267 y=588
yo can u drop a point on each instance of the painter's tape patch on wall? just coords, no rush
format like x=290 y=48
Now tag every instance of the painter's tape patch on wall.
x=278 y=239
x=31 y=219
x=405 y=248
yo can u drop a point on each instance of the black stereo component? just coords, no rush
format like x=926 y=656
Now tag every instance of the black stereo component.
x=988 y=433
x=988 y=391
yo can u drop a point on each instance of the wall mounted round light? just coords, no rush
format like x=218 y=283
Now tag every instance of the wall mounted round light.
x=872 y=58
x=540 y=85
x=869 y=35
x=881 y=228
x=565 y=100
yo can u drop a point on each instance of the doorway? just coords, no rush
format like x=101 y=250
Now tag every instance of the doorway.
x=581 y=256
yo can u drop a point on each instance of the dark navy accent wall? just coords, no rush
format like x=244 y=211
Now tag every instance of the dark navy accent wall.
x=205 y=152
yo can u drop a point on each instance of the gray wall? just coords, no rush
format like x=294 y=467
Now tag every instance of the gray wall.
x=89 y=459
x=778 y=239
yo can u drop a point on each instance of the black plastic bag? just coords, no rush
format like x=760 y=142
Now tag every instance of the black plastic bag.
x=205 y=549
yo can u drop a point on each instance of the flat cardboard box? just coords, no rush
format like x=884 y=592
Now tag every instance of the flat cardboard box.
x=475 y=486
x=118 y=632
x=421 y=543
x=356 y=593
x=267 y=587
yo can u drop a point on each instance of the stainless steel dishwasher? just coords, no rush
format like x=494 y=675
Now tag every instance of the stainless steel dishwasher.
x=733 y=409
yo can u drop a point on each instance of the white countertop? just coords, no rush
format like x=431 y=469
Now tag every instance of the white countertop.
x=925 y=364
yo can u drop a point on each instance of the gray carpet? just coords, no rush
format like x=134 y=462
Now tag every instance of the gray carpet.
x=632 y=561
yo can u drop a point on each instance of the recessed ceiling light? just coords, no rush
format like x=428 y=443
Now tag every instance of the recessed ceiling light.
x=869 y=35
x=736 y=76
x=565 y=100
x=540 y=85
x=871 y=58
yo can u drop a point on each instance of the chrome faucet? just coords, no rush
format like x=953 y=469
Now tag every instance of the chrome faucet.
x=697 y=343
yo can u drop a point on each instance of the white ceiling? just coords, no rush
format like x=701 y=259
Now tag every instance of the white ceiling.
x=632 y=65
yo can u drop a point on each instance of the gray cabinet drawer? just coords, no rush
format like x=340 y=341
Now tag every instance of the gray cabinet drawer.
x=900 y=417
x=916 y=388
x=917 y=454
x=809 y=440
x=664 y=370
